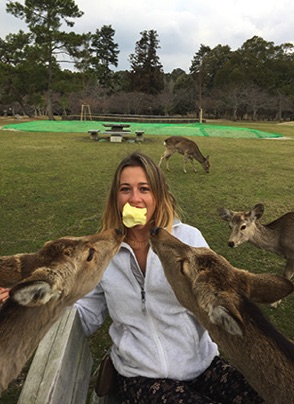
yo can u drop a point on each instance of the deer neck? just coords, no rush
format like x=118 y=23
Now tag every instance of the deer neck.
x=21 y=330
x=255 y=361
x=199 y=157
x=264 y=237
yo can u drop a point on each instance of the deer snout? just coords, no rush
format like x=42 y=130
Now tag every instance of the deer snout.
x=118 y=232
x=231 y=244
x=154 y=231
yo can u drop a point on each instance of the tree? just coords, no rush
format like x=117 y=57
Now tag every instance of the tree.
x=256 y=101
x=106 y=53
x=197 y=70
x=98 y=53
x=261 y=65
x=234 y=99
x=44 y=20
x=184 y=92
x=256 y=53
x=213 y=62
x=166 y=97
x=283 y=67
x=17 y=64
x=146 y=70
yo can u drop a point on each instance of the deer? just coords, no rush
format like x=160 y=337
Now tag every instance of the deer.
x=42 y=286
x=223 y=299
x=276 y=236
x=189 y=149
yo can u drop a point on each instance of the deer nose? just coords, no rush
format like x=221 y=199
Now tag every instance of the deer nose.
x=118 y=232
x=154 y=231
x=231 y=244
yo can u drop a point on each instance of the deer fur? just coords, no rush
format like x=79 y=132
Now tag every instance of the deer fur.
x=42 y=286
x=222 y=299
x=277 y=236
x=189 y=149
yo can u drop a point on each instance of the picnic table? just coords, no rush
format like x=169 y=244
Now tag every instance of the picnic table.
x=117 y=127
x=116 y=130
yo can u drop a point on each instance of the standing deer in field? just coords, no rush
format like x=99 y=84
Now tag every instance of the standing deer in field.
x=277 y=236
x=222 y=299
x=190 y=150
x=42 y=286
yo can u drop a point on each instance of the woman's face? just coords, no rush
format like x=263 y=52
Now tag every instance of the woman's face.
x=135 y=189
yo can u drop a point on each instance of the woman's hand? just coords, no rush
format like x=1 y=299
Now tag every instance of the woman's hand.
x=4 y=294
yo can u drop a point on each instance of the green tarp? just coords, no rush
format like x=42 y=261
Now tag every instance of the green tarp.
x=166 y=129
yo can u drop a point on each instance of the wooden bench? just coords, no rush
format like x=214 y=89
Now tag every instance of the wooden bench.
x=93 y=134
x=115 y=136
x=61 y=368
x=139 y=136
x=116 y=133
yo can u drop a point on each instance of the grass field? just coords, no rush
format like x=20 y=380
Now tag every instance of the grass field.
x=55 y=184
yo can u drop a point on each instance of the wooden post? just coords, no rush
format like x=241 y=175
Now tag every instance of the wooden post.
x=61 y=369
x=200 y=115
x=84 y=109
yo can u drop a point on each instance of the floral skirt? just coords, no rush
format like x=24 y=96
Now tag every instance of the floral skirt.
x=220 y=383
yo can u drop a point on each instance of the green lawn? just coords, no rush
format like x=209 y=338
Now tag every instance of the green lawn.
x=55 y=184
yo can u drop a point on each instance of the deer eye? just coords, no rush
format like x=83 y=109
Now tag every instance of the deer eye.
x=91 y=254
x=243 y=227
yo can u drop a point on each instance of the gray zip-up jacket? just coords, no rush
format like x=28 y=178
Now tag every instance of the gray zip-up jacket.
x=153 y=334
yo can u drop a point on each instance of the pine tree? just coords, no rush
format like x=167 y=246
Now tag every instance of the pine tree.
x=146 y=70
x=44 y=20
x=105 y=54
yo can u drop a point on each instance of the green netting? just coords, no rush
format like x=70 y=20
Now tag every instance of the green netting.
x=166 y=129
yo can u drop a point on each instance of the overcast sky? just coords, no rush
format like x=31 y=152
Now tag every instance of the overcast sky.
x=182 y=25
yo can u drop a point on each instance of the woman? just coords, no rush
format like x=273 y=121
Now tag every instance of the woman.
x=159 y=350
x=4 y=294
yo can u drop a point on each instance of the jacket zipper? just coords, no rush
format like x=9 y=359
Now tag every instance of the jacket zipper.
x=141 y=281
x=143 y=300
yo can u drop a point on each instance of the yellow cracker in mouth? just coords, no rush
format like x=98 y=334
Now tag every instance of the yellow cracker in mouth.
x=133 y=216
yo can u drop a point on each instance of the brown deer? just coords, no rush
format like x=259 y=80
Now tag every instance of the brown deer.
x=222 y=299
x=277 y=236
x=42 y=286
x=190 y=150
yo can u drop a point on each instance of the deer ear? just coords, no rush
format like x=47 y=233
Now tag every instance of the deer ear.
x=267 y=288
x=34 y=293
x=10 y=270
x=225 y=214
x=185 y=267
x=223 y=317
x=257 y=211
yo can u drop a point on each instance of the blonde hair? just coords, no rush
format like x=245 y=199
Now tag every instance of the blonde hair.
x=166 y=209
